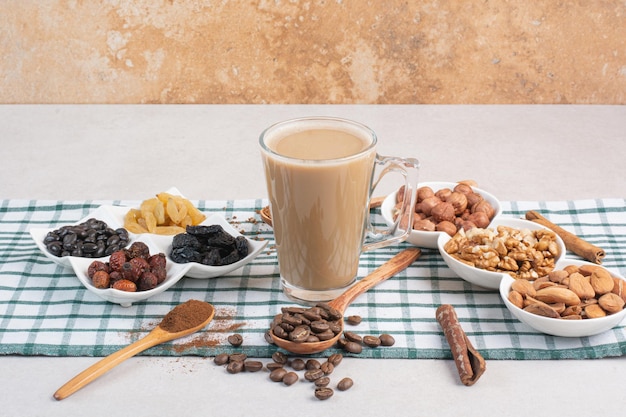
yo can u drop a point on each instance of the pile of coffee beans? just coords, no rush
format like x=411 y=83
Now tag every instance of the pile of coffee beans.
x=90 y=239
x=285 y=369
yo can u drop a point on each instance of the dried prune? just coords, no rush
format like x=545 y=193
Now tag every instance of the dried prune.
x=208 y=245
x=186 y=240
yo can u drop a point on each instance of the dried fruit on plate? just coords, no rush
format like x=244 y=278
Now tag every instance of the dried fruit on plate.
x=165 y=214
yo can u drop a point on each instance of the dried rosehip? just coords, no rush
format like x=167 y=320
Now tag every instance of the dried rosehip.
x=125 y=285
x=160 y=272
x=147 y=281
x=96 y=266
x=138 y=250
x=139 y=265
x=128 y=273
x=117 y=259
x=115 y=276
x=101 y=279
x=157 y=260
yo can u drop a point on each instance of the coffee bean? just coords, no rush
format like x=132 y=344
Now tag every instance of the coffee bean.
x=221 y=359
x=387 y=339
x=234 y=367
x=268 y=337
x=290 y=378
x=345 y=384
x=298 y=364
x=253 y=366
x=277 y=375
x=335 y=327
x=292 y=320
x=353 y=320
x=333 y=313
x=322 y=382
x=313 y=364
x=335 y=359
x=319 y=326
x=238 y=357
x=341 y=342
x=235 y=339
x=280 y=357
x=353 y=347
x=280 y=332
x=293 y=310
x=312 y=339
x=353 y=337
x=327 y=368
x=327 y=335
x=313 y=374
x=323 y=393
x=371 y=341
x=312 y=315
x=273 y=365
x=300 y=334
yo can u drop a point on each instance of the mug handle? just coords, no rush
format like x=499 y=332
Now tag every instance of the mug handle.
x=409 y=169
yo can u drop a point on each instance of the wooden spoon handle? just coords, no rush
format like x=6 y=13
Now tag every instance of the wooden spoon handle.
x=104 y=365
x=396 y=264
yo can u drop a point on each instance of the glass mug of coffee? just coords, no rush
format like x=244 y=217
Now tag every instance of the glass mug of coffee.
x=320 y=177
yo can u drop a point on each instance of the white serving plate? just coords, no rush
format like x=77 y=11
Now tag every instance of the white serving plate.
x=482 y=277
x=422 y=238
x=558 y=327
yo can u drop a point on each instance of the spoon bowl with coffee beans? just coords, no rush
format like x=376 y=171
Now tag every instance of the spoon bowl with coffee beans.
x=305 y=331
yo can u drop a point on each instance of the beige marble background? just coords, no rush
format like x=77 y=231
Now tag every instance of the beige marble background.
x=319 y=51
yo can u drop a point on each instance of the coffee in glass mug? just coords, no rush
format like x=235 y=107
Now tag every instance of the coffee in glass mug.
x=320 y=177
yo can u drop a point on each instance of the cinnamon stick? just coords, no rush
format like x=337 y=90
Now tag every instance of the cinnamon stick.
x=469 y=363
x=572 y=242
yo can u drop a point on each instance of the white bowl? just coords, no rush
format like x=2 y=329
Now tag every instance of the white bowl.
x=422 y=238
x=174 y=273
x=558 y=327
x=482 y=277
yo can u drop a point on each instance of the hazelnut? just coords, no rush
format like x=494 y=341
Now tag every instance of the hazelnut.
x=426 y=206
x=458 y=201
x=424 y=225
x=443 y=212
x=443 y=194
x=424 y=192
x=463 y=189
x=484 y=206
x=446 y=227
x=480 y=219
x=473 y=198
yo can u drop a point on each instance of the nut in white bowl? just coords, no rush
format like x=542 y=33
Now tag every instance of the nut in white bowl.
x=482 y=277
x=428 y=239
x=559 y=326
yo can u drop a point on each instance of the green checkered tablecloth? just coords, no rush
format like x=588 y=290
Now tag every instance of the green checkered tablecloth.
x=44 y=309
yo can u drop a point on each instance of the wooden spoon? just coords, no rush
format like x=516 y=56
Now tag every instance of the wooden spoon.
x=396 y=264
x=157 y=336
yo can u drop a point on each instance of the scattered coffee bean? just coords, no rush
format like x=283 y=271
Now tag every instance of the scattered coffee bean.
x=353 y=347
x=341 y=343
x=221 y=359
x=253 y=366
x=235 y=339
x=352 y=337
x=313 y=374
x=371 y=341
x=323 y=393
x=386 y=339
x=234 y=367
x=277 y=375
x=298 y=364
x=322 y=382
x=345 y=384
x=313 y=364
x=327 y=368
x=335 y=359
x=290 y=378
x=238 y=357
x=280 y=357
x=273 y=365
x=353 y=320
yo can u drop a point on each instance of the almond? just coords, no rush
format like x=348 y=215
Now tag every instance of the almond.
x=516 y=299
x=594 y=311
x=601 y=281
x=611 y=303
x=552 y=295
x=542 y=309
x=581 y=286
x=524 y=287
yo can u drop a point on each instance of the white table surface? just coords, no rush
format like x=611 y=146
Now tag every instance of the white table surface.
x=210 y=152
